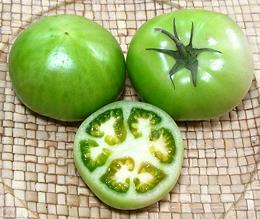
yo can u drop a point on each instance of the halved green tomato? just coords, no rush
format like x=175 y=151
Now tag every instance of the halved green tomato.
x=129 y=154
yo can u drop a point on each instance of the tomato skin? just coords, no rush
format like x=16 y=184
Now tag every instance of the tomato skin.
x=66 y=67
x=223 y=78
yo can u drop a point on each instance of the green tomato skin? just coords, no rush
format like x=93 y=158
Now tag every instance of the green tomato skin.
x=222 y=81
x=66 y=67
x=130 y=200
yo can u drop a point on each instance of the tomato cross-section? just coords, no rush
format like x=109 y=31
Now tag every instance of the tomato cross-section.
x=129 y=154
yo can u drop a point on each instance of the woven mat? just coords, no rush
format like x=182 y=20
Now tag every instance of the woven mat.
x=221 y=170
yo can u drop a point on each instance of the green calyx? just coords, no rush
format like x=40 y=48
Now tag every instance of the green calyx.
x=185 y=56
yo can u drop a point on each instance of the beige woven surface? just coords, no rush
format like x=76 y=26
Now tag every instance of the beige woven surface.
x=221 y=170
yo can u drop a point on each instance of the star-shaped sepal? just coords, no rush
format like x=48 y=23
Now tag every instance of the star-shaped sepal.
x=185 y=56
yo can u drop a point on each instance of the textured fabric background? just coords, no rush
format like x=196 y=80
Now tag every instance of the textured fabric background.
x=221 y=171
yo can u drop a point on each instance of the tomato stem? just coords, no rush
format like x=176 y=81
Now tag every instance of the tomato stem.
x=185 y=56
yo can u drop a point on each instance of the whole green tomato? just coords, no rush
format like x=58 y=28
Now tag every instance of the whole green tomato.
x=194 y=64
x=66 y=67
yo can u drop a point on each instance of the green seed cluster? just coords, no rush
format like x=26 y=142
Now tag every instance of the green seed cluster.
x=137 y=113
x=170 y=145
x=85 y=147
x=93 y=128
x=108 y=177
x=158 y=176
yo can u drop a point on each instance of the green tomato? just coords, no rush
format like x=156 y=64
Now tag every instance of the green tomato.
x=194 y=64
x=129 y=154
x=66 y=67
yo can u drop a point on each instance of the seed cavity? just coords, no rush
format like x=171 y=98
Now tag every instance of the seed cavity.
x=148 y=177
x=92 y=157
x=117 y=176
x=162 y=145
x=139 y=120
x=109 y=125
